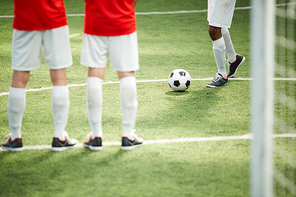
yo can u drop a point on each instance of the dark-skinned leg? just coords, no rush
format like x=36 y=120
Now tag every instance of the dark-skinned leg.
x=218 y=49
x=215 y=32
x=219 y=53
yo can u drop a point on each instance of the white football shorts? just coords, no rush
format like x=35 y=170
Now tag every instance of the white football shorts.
x=27 y=49
x=121 y=50
x=220 y=12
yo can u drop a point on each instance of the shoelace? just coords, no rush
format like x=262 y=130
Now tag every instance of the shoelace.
x=217 y=78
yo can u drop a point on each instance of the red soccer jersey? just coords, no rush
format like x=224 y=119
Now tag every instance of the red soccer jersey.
x=109 y=17
x=30 y=15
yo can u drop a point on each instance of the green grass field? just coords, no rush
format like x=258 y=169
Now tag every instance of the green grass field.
x=166 y=42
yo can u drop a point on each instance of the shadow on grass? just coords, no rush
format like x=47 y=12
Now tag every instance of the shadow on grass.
x=173 y=93
x=150 y=170
x=52 y=171
x=179 y=111
x=109 y=158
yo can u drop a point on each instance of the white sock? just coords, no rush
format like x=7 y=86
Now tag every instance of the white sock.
x=129 y=104
x=228 y=44
x=60 y=108
x=219 y=53
x=94 y=96
x=16 y=107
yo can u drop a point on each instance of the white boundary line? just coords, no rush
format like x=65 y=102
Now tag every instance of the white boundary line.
x=149 y=13
x=167 y=141
x=147 y=81
x=178 y=140
x=172 y=12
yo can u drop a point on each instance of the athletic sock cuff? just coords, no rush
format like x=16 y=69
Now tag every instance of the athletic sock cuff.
x=94 y=81
x=17 y=92
x=60 y=91
x=127 y=81
x=219 y=44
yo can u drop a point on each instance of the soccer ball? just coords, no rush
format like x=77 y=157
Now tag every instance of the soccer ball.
x=179 y=80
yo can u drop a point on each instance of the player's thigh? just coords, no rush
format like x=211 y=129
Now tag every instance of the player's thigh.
x=57 y=49
x=123 y=52
x=26 y=50
x=220 y=12
x=94 y=52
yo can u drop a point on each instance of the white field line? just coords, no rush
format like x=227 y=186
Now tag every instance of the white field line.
x=167 y=141
x=147 y=81
x=173 y=12
x=73 y=35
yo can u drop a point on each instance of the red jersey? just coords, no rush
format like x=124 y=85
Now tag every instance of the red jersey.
x=30 y=15
x=109 y=17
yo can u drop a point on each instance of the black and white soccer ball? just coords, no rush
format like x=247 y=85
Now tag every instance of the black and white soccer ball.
x=179 y=80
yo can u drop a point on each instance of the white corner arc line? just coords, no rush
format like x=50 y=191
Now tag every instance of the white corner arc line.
x=167 y=141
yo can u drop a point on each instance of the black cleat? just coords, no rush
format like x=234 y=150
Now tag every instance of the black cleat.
x=93 y=144
x=130 y=144
x=59 y=145
x=219 y=80
x=15 y=145
x=235 y=65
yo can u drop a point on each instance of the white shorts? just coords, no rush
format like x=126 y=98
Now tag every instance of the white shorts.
x=122 y=51
x=220 y=12
x=27 y=49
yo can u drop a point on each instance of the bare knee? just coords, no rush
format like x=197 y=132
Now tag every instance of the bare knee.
x=58 y=77
x=96 y=72
x=20 y=79
x=215 y=33
x=125 y=74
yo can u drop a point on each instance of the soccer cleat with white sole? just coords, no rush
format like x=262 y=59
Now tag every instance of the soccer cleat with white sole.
x=218 y=81
x=93 y=144
x=61 y=145
x=15 y=146
x=130 y=144
x=233 y=66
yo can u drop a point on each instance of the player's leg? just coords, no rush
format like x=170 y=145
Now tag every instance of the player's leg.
x=218 y=49
x=60 y=102
x=94 y=94
x=219 y=53
x=17 y=102
x=129 y=103
x=15 y=109
x=124 y=59
x=234 y=60
x=26 y=56
x=215 y=14
x=94 y=54
x=57 y=55
x=228 y=44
